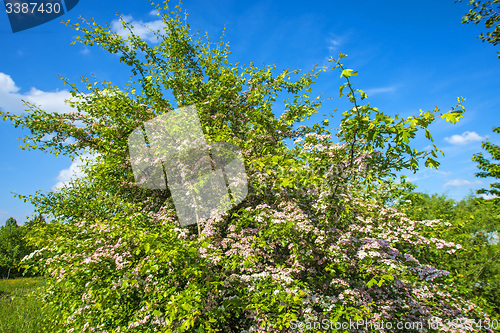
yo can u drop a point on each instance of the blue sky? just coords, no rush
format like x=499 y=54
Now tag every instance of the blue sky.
x=409 y=55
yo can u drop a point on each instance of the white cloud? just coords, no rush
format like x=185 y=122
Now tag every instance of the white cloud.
x=11 y=98
x=466 y=138
x=461 y=182
x=380 y=90
x=140 y=28
x=74 y=171
x=7 y=85
x=488 y=196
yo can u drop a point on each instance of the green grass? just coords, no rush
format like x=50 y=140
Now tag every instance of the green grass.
x=21 y=305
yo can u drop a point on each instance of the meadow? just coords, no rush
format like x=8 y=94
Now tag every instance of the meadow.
x=21 y=307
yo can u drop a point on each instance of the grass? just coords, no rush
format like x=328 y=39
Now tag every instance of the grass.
x=21 y=305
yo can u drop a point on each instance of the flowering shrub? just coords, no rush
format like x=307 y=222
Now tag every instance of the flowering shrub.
x=314 y=240
x=471 y=222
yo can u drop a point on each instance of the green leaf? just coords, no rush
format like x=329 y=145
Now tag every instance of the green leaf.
x=124 y=284
x=362 y=93
x=341 y=89
x=428 y=135
x=347 y=73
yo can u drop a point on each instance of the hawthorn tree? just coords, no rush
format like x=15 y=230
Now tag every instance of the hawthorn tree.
x=313 y=241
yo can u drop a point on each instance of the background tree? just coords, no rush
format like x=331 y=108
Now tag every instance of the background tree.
x=487 y=12
x=13 y=247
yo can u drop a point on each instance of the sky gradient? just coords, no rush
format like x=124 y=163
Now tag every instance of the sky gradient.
x=409 y=55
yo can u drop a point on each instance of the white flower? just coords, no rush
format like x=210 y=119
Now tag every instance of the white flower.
x=362 y=254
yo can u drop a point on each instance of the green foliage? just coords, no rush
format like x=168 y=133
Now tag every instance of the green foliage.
x=489 y=169
x=13 y=247
x=11 y=222
x=369 y=130
x=489 y=13
x=472 y=223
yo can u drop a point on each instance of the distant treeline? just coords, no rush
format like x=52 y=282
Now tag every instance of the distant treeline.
x=14 y=246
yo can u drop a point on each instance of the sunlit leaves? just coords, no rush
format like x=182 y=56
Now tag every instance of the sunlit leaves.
x=347 y=73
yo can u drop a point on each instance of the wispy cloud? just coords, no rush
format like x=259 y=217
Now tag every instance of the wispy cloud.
x=11 y=97
x=85 y=51
x=442 y=173
x=427 y=173
x=461 y=182
x=465 y=138
x=488 y=196
x=333 y=45
x=415 y=178
x=380 y=90
x=143 y=29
